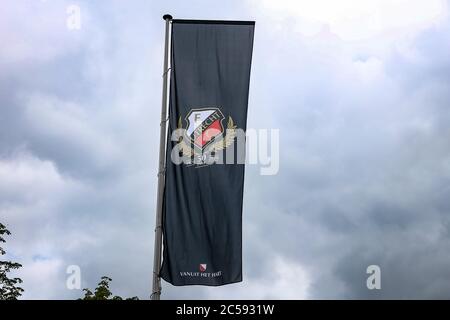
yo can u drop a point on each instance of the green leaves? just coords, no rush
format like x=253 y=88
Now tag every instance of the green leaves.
x=9 y=289
x=102 y=292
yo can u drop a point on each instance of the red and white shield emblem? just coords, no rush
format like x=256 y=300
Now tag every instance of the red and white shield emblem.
x=202 y=267
x=203 y=125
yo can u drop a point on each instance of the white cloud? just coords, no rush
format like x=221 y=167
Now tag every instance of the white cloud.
x=43 y=277
x=35 y=32
x=283 y=279
x=353 y=19
x=29 y=181
x=57 y=123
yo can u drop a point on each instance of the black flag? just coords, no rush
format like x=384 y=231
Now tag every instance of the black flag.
x=202 y=210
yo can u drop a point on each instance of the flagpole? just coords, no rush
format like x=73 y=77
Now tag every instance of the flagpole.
x=156 y=288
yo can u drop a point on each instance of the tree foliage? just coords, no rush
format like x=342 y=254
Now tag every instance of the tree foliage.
x=102 y=292
x=9 y=289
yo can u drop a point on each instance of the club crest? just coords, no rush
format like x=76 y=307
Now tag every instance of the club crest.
x=204 y=131
x=203 y=125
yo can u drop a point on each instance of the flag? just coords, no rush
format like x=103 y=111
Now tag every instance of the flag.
x=203 y=195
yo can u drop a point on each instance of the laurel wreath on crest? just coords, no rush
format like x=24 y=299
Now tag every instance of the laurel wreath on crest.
x=216 y=146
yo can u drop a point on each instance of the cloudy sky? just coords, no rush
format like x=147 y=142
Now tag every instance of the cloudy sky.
x=360 y=91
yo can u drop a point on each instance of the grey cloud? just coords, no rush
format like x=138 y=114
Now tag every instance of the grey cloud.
x=364 y=158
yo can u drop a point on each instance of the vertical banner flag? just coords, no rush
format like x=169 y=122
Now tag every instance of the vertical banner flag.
x=204 y=184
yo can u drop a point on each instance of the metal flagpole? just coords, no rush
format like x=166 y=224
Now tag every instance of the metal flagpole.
x=156 y=288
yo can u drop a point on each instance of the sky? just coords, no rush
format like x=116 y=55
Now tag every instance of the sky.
x=360 y=92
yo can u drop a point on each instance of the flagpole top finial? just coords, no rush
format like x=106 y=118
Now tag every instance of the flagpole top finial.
x=167 y=17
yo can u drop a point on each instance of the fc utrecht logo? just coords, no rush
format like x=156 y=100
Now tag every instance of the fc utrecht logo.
x=202 y=267
x=204 y=130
